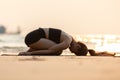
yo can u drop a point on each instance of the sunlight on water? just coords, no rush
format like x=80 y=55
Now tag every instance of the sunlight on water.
x=101 y=42
x=11 y=40
x=109 y=47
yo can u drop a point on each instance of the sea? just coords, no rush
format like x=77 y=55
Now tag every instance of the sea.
x=12 y=43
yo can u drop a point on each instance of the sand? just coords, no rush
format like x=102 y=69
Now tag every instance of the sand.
x=59 y=68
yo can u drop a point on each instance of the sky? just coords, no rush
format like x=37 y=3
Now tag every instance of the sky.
x=72 y=16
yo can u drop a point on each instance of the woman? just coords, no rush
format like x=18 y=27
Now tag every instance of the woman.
x=51 y=41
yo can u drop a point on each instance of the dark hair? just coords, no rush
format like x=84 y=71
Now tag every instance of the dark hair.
x=83 y=50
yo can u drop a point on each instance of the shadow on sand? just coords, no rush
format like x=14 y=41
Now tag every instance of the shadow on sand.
x=32 y=58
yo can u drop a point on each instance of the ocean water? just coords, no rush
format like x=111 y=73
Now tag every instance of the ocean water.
x=12 y=43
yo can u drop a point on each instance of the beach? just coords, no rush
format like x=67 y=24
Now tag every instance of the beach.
x=59 y=68
x=64 y=67
x=96 y=23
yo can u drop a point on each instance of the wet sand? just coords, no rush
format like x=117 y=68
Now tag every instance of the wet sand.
x=59 y=68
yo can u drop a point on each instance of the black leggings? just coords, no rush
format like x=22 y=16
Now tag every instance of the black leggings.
x=34 y=36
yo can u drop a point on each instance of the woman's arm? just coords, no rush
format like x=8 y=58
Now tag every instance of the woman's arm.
x=66 y=40
x=61 y=46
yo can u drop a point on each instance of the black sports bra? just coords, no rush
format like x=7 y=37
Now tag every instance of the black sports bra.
x=54 y=35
